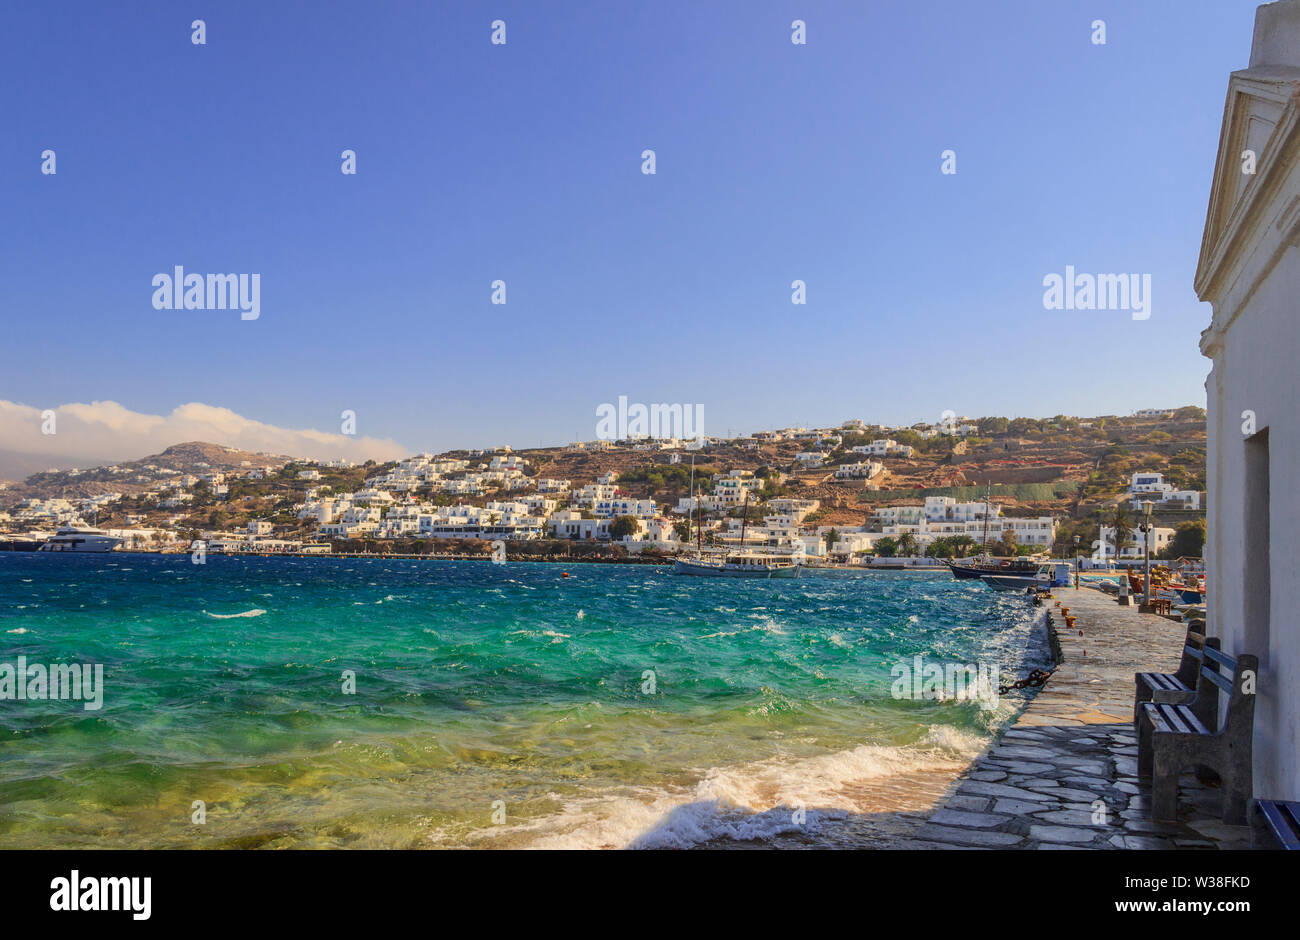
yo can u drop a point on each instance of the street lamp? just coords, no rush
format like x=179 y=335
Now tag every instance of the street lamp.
x=1076 y=562
x=1147 y=506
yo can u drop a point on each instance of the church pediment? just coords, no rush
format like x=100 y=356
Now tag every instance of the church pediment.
x=1257 y=143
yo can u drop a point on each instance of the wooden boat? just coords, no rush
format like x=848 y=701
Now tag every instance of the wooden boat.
x=737 y=565
x=973 y=570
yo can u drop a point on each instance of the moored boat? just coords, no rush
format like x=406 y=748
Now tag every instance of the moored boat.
x=72 y=539
x=974 y=570
x=738 y=565
x=1049 y=575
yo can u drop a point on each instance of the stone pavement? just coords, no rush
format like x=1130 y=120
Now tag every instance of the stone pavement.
x=1065 y=774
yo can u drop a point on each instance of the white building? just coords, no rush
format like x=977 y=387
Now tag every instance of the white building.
x=1038 y=532
x=864 y=470
x=941 y=509
x=622 y=506
x=795 y=508
x=1135 y=548
x=567 y=524
x=1149 y=485
x=1249 y=271
x=592 y=493
x=885 y=447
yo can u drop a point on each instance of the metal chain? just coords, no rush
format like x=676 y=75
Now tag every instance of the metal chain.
x=1035 y=679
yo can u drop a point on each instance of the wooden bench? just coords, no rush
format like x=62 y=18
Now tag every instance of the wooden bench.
x=1283 y=819
x=1178 y=737
x=1176 y=687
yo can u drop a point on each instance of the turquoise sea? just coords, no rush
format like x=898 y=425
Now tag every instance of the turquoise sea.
x=494 y=705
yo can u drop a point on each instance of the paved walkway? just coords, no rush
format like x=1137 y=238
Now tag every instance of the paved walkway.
x=1065 y=774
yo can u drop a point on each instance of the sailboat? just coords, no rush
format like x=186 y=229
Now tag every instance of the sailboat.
x=985 y=564
x=738 y=564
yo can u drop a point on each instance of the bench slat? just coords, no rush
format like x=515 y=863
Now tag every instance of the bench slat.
x=1182 y=719
x=1221 y=658
x=1293 y=810
x=1218 y=679
x=1287 y=830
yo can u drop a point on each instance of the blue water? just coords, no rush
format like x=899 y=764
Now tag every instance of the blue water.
x=494 y=705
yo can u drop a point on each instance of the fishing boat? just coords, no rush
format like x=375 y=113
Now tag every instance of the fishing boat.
x=1165 y=585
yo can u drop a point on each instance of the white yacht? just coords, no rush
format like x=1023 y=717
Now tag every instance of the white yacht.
x=72 y=539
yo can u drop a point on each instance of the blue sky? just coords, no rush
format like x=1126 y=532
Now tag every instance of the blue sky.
x=522 y=162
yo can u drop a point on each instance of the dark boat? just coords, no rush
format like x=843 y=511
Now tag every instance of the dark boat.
x=975 y=569
x=978 y=570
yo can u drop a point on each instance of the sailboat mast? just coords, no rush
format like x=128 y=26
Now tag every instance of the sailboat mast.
x=744 y=513
x=688 y=518
x=699 y=530
x=987 y=490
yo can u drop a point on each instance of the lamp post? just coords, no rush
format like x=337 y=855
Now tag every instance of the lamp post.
x=1147 y=506
x=1076 y=562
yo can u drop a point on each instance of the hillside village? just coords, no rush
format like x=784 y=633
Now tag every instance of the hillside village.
x=845 y=492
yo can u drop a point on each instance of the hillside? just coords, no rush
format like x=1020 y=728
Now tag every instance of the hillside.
x=1072 y=468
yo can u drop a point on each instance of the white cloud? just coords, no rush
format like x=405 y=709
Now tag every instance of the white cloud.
x=106 y=430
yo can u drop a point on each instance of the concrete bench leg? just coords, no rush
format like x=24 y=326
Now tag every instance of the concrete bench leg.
x=1164 y=785
x=1145 y=733
x=1236 y=795
x=1140 y=697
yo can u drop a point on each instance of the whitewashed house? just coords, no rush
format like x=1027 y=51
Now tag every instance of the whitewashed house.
x=1135 y=548
x=1149 y=485
x=863 y=470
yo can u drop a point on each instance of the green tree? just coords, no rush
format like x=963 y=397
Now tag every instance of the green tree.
x=1188 y=540
x=963 y=545
x=1006 y=544
x=623 y=525
x=887 y=547
x=939 y=548
x=907 y=545
x=1123 y=529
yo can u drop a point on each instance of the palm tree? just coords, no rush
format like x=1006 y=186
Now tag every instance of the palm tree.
x=907 y=545
x=1120 y=524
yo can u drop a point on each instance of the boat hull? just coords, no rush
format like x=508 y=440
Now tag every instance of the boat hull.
x=83 y=544
x=1011 y=583
x=695 y=569
x=972 y=572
